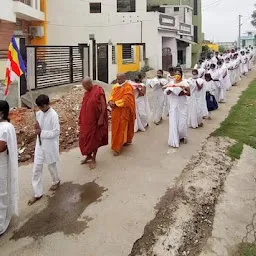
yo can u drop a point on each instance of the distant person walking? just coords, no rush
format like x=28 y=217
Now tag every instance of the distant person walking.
x=9 y=187
x=93 y=122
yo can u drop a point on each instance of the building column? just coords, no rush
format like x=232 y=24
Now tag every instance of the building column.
x=33 y=4
x=189 y=56
x=38 y=5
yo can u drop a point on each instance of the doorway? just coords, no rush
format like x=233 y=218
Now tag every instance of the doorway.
x=102 y=60
x=166 y=58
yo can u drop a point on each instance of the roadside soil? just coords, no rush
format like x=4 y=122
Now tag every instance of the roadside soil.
x=185 y=214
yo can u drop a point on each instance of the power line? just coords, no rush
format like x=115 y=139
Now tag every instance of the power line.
x=216 y=3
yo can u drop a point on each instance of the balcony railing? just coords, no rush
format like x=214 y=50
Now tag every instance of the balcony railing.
x=32 y=3
x=28 y=10
x=27 y=2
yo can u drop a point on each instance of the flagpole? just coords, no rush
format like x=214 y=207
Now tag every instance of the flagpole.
x=33 y=105
x=19 y=98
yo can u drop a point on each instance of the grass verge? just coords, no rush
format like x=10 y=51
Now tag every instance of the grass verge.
x=240 y=125
x=246 y=249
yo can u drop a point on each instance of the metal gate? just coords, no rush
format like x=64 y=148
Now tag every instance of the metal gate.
x=56 y=65
x=166 y=58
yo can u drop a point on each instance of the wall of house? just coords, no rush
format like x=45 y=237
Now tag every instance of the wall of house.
x=123 y=68
x=174 y=2
x=184 y=15
x=197 y=21
x=71 y=27
x=6 y=11
x=7 y=29
x=41 y=40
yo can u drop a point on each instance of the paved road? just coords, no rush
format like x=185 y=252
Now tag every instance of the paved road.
x=103 y=212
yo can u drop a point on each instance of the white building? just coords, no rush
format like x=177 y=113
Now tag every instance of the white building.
x=130 y=32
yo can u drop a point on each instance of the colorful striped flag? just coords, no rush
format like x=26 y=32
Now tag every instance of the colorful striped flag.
x=15 y=65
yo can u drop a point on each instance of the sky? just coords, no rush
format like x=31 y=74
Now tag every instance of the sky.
x=220 y=18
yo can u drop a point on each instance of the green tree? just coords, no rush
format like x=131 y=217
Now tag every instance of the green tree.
x=254 y=17
x=205 y=48
x=221 y=49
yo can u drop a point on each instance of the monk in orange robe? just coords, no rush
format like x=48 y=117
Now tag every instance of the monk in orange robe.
x=122 y=102
x=93 y=122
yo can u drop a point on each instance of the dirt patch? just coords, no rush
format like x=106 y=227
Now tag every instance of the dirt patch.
x=185 y=214
x=62 y=212
x=68 y=109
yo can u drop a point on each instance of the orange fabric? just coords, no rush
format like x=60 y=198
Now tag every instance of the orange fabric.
x=123 y=115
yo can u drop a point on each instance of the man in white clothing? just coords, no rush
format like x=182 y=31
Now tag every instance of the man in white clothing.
x=47 y=147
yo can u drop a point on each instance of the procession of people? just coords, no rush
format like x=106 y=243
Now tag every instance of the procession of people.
x=186 y=103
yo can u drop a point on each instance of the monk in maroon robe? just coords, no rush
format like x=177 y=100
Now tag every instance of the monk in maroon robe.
x=93 y=122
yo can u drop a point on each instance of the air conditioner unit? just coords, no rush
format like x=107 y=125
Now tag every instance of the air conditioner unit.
x=36 y=31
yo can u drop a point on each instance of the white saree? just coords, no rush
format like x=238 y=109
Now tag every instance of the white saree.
x=158 y=98
x=142 y=112
x=9 y=191
x=177 y=117
x=195 y=104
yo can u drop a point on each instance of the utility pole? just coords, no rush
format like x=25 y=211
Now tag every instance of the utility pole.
x=239 y=31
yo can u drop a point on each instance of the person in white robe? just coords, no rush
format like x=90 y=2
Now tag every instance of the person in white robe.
x=225 y=79
x=177 y=96
x=142 y=106
x=250 y=59
x=9 y=185
x=170 y=79
x=214 y=59
x=171 y=75
x=216 y=76
x=244 y=63
x=195 y=104
x=47 y=147
x=230 y=64
x=204 y=64
x=237 y=68
x=158 y=96
x=210 y=89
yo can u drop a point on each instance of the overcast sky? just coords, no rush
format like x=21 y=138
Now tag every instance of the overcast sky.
x=220 y=18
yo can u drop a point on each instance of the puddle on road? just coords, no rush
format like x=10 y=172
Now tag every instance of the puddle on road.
x=62 y=212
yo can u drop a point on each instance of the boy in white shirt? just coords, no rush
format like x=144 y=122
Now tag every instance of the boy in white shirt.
x=47 y=147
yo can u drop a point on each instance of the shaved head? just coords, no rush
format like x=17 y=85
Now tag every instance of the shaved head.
x=121 y=78
x=87 y=79
x=87 y=83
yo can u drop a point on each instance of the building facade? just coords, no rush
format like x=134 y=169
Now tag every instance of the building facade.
x=227 y=45
x=133 y=32
x=248 y=39
x=122 y=35
x=196 y=22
